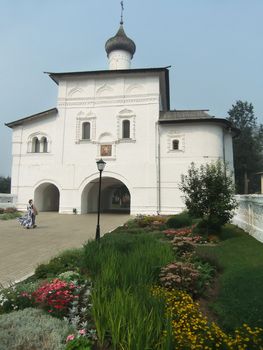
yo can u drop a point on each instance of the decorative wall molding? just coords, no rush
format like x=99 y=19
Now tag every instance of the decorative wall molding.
x=93 y=102
x=104 y=89
x=81 y=118
x=171 y=136
x=40 y=136
x=76 y=91
x=138 y=88
x=126 y=114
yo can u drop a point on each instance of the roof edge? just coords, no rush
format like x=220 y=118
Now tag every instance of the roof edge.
x=201 y=120
x=54 y=76
x=33 y=116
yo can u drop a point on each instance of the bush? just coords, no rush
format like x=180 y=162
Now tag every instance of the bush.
x=31 y=329
x=11 y=210
x=179 y=220
x=182 y=276
x=17 y=297
x=207 y=226
x=209 y=194
x=153 y=220
x=80 y=343
x=2 y=210
x=66 y=261
x=10 y=216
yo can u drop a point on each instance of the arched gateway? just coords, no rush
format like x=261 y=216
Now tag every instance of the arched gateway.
x=47 y=197
x=115 y=196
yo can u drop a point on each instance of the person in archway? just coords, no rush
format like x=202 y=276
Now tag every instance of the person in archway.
x=29 y=220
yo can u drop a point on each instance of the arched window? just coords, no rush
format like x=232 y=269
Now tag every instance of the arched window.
x=35 y=145
x=126 y=129
x=175 y=144
x=86 y=131
x=44 y=144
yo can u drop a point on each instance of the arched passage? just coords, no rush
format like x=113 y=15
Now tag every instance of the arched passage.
x=47 y=197
x=115 y=196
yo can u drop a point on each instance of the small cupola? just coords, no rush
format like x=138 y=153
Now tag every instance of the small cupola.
x=120 y=49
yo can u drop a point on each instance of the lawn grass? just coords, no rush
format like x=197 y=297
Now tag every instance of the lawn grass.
x=240 y=295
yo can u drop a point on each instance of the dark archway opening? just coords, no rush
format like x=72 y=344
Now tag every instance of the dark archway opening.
x=115 y=197
x=47 y=197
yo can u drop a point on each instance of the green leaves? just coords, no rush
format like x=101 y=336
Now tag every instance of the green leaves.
x=209 y=193
x=247 y=146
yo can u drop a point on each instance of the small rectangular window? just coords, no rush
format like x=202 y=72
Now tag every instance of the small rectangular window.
x=175 y=144
x=86 y=131
x=126 y=129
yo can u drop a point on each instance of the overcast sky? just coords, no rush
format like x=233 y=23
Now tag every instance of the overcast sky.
x=214 y=47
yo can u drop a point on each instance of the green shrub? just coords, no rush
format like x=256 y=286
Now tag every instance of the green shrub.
x=17 y=297
x=10 y=216
x=207 y=227
x=31 y=329
x=11 y=210
x=151 y=220
x=80 y=343
x=2 y=210
x=66 y=261
x=209 y=194
x=179 y=220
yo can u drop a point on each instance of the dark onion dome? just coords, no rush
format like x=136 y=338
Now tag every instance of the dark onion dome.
x=120 y=42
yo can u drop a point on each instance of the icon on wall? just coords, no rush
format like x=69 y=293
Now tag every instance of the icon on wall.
x=105 y=150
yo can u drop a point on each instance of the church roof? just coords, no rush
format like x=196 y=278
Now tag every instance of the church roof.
x=194 y=116
x=120 y=42
x=31 y=117
x=185 y=114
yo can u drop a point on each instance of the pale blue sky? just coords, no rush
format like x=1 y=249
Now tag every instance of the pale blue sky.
x=215 y=48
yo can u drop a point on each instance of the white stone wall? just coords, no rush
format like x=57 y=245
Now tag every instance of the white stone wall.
x=249 y=215
x=7 y=200
x=199 y=143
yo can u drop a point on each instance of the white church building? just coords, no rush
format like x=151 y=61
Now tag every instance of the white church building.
x=123 y=116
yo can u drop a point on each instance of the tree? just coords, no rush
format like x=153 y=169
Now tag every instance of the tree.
x=247 y=146
x=209 y=194
x=5 y=184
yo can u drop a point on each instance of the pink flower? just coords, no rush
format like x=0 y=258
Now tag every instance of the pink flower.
x=82 y=332
x=70 y=337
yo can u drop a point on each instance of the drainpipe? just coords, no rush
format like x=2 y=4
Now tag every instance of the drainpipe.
x=158 y=169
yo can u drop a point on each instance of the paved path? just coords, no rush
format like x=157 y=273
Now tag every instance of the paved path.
x=22 y=250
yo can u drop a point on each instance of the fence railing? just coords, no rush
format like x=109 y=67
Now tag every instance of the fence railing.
x=249 y=214
x=7 y=200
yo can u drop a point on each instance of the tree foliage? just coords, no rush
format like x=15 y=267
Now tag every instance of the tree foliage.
x=209 y=193
x=247 y=147
x=5 y=184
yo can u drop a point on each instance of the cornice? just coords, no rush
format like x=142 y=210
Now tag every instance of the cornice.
x=88 y=102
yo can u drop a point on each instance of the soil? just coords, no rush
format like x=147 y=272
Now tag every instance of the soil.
x=210 y=297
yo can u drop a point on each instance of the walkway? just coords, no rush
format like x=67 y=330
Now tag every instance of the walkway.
x=22 y=250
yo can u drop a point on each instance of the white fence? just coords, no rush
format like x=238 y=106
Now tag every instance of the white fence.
x=249 y=214
x=7 y=200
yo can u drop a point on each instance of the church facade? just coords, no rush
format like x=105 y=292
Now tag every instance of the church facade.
x=123 y=116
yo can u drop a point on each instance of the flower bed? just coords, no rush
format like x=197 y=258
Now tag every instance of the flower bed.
x=191 y=330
